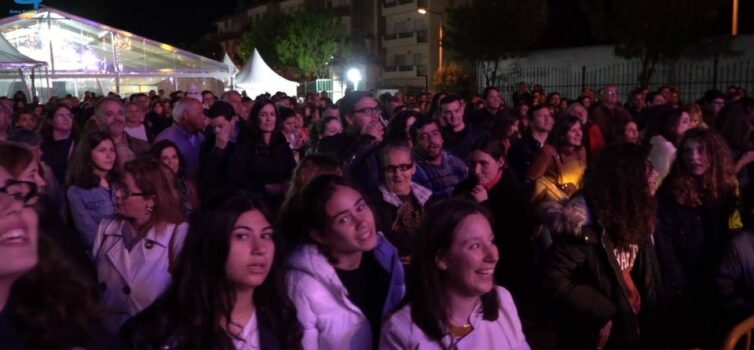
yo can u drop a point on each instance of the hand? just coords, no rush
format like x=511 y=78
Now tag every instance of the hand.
x=479 y=193
x=222 y=137
x=604 y=334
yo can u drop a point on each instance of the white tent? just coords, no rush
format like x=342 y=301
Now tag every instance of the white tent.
x=257 y=78
x=16 y=67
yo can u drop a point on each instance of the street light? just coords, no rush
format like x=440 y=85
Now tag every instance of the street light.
x=734 y=21
x=354 y=75
x=424 y=11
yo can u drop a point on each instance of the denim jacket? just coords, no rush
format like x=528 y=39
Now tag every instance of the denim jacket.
x=89 y=207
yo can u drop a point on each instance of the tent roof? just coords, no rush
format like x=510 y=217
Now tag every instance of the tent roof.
x=11 y=58
x=257 y=78
x=76 y=45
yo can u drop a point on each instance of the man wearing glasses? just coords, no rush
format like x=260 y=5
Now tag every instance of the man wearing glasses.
x=609 y=112
x=358 y=146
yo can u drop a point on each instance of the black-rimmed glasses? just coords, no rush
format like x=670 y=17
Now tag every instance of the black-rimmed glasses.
x=22 y=191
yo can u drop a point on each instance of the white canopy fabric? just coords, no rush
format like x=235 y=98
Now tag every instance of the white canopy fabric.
x=257 y=78
x=231 y=66
x=11 y=58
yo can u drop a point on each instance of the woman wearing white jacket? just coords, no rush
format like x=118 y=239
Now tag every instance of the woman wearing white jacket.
x=134 y=250
x=344 y=277
x=453 y=301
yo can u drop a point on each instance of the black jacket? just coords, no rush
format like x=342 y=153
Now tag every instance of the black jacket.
x=581 y=274
x=359 y=154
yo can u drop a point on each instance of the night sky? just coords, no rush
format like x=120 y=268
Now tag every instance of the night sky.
x=183 y=22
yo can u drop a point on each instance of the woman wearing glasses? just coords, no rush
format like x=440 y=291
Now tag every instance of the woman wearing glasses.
x=134 y=250
x=91 y=181
x=399 y=203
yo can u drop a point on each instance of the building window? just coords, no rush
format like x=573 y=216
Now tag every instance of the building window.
x=419 y=59
x=400 y=60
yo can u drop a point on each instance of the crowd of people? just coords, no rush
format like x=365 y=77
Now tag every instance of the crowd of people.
x=428 y=221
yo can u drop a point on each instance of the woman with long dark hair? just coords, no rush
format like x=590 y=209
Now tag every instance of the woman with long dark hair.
x=228 y=291
x=452 y=300
x=92 y=181
x=602 y=268
x=558 y=167
x=135 y=250
x=663 y=135
x=695 y=206
x=170 y=156
x=343 y=276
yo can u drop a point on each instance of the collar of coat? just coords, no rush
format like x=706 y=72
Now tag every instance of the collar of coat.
x=419 y=192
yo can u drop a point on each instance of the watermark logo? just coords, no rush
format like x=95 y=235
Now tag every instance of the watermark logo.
x=34 y=3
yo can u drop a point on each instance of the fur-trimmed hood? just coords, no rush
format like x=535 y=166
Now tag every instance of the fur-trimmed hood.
x=565 y=218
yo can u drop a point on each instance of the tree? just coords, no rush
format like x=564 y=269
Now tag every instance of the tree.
x=452 y=78
x=651 y=30
x=485 y=32
x=308 y=42
x=262 y=35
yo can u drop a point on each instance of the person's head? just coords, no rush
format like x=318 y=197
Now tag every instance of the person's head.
x=222 y=117
x=398 y=128
x=577 y=110
x=264 y=116
x=331 y=110
x=18 y=229
x=626 y=131
x=157 y=107
x=655 y=99
x=714 y=100
x=142 y=100
x=703 y=164
x=231 y=248
x=110 y=116
x=134 y=113
x=208 y=98
x=541 y=119
x=452 y=112
x=169 y=155
x=19 y=161
x=148 y=194
x=486 y=159
x=60 y=118
x=26 y=120
x=427 y=138
x=696 y=115
x=736 y=123
x=567 y=133
x=455 y=255
x=492 y=98
x=188 y=113
x=669 y=122
x=236 y=100
x=553 y=100
x=359 y=110
x=617 y=188
x=287 y=120
x=398 y=167
x=93 y=159
x=337 y=218
x=610 y=95
x=311 y=166
x=328 y=126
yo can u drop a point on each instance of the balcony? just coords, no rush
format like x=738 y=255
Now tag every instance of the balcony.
x=393 y=7
x=404 y=39
x=399 y=72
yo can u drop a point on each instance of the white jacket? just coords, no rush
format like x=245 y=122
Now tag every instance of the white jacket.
x=661 y=155
x=330 y=320
x=132 y=280
x=400 y=332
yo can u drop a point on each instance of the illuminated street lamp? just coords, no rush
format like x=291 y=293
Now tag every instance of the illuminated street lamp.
x=354 y=75
x=424 y=11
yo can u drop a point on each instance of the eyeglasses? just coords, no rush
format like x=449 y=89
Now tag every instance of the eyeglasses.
x=64 y=115
x=399 y=167
x=22 y=191
x=369 y=110
x=127 y=192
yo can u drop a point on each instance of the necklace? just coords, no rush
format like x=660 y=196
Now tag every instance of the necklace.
x=460 y=331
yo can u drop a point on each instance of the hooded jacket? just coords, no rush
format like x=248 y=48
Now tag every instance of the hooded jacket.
x=582 y=275
x=330 y=320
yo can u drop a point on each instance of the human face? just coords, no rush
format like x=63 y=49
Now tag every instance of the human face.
x=134 y=115
x=543 y=120
x=236 y=101
x=555 y=101
x=222 y=125
x=365 y=113
x=351 y=229
x=208 y=99
x=289 y=125
x=581 y=113
x=26 y=121
x=18 y=234
x=112 y=118
x=610 y=95
x=398 y=180
x=103 y=156
x=143 y=102
x=131 y=202
x=493 y=100
x=193 y=116
x=631 y=133
x=429 y=141
x=469 y=263
x=683 y=124
x=62 y=120
x=453 y=114
x=333 y=127
x=484 y=167
x=717 y=105
x=574 y=135
x=169 y=157
x=659 y=100
x=251 y=252
x=31 y=174
x=267 y=118
x=695 y=157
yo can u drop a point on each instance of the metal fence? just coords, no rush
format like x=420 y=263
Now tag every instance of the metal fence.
x=693 y=78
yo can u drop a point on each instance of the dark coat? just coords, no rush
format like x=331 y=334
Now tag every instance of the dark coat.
x=581 y=274
x=459 y=143
x=359 y=154
x=735 y=278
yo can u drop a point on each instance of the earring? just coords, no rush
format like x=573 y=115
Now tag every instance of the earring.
x=150 y=209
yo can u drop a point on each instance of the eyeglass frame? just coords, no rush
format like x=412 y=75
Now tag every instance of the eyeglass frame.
x=369 y=110
x=21 y=197
x=400 y=167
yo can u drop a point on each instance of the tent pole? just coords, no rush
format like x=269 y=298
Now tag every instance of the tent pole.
x=33 y=85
